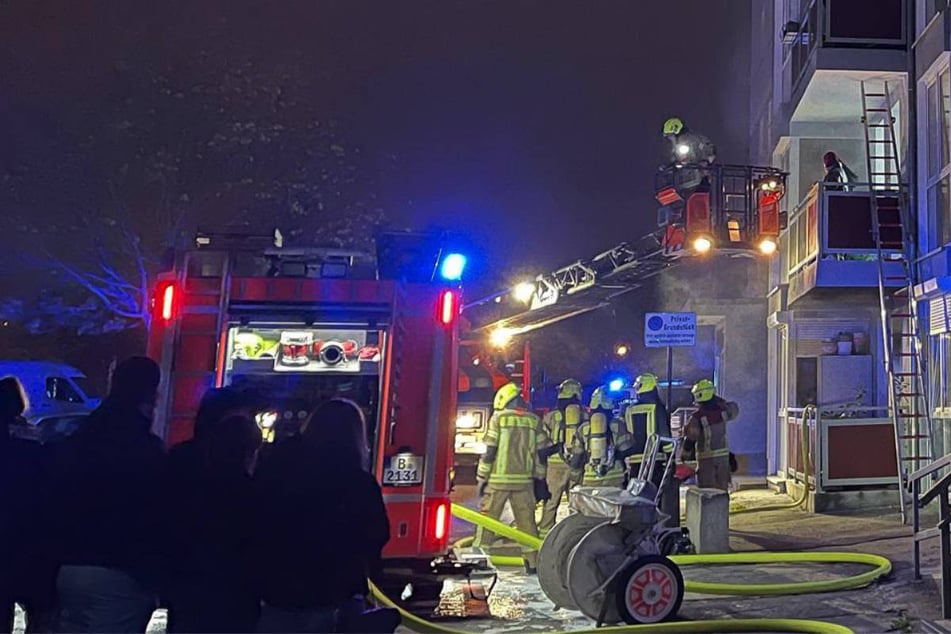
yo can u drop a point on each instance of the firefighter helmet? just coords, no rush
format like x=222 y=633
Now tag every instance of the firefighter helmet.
x=645 y=383
x=505 y=395
x=569 y=388
x=673 y=126
x=703 y=390
x=601 y=399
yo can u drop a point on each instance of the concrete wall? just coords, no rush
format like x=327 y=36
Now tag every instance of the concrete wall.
x=730 y=294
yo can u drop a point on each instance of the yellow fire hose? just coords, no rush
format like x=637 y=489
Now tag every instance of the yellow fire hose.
x=804 y=452
x=418 y=624
x=882 y=566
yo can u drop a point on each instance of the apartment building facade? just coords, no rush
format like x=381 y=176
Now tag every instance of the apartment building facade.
x=811 y=60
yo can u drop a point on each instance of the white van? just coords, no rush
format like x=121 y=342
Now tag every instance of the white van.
x=51 y=388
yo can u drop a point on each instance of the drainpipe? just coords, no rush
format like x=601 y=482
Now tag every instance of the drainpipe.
x=911 y=155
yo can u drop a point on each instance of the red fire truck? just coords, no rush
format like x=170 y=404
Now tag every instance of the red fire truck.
x=304 y=325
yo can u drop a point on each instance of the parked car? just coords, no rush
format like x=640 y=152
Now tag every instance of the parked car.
x=48 y=430
x=53 y=389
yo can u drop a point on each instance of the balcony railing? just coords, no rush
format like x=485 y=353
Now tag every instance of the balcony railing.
x=850 y=445
x=833 y=228
x=841 y=24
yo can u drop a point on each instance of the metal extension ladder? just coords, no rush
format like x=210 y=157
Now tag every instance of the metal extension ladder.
x=894 y=234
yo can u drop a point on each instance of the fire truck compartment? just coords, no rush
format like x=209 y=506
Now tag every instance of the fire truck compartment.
x=298 y=367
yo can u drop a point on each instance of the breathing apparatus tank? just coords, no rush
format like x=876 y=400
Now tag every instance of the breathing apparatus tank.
x=600 y=447
x=572 y=418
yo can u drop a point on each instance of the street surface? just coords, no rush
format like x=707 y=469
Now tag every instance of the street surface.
x=897 y=603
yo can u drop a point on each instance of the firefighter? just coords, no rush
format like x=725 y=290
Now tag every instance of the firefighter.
x=687 y=146
x=706 y=429
x=512 y=469
x=602 y=444
x=561 y=424
x=647 y=416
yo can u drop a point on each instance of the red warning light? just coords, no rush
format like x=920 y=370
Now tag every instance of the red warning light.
x=448 y=307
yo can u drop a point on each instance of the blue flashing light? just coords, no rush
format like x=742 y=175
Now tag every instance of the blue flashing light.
x=452 y=267
x=615 y=385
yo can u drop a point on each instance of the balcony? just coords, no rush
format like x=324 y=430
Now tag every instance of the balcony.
x=829 y=242
x=849 y=446
x=833 y=38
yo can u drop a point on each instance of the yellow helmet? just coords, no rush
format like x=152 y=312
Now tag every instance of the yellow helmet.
x=601 y=399
x=569 y=388
x=673 y=126
x=703 y=390
x=505 y=395
x=645 y=383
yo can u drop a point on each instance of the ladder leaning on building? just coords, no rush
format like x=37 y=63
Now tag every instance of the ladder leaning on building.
x=894 y=234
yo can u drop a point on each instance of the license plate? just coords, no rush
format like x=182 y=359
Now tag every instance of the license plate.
x=403 y=470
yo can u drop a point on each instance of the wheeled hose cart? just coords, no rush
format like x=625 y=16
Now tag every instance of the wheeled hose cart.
x=608 y=559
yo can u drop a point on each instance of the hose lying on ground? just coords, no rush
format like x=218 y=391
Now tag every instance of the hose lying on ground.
x=419 y=624
x=881 y=565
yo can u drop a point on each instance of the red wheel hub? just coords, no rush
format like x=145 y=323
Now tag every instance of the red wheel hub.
x=651 y=593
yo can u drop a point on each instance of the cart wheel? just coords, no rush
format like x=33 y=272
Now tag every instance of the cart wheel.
x=649 y=590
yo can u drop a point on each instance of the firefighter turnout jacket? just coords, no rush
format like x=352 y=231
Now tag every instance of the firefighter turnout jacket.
x=646 y=417
x=601 y=445
x=562 y=426
x=707 y=427
x=517 y=446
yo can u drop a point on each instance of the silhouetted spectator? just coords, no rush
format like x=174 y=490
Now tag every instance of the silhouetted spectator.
x=322 y=523
x=222 y=402
x=26 y=571
x=107 y=483
x=209 y=502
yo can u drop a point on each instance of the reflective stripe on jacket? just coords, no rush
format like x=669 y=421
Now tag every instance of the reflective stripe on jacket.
x=712 y=438
x=644 y=420
x=518 y=437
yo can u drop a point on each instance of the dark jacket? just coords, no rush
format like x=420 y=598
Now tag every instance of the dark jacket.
x=208 y=508
x=25 y=566
x=321 y=525
x=106 y=494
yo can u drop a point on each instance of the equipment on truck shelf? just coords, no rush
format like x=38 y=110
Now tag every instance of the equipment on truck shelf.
x=609 y=559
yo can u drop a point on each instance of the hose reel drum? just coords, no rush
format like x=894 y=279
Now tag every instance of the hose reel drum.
x=609 y=558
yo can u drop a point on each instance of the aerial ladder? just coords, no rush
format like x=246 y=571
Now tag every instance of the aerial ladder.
x=705 y=210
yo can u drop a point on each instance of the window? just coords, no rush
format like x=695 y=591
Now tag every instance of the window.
x=59 y=389
x=937 y=170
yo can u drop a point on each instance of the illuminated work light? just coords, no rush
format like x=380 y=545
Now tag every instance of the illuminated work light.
x=767 y=246
x=524 y=292
x=452 y=267
x=702 y=244
x=500 y=337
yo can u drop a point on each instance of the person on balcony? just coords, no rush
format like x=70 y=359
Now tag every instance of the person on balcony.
x=837 y=173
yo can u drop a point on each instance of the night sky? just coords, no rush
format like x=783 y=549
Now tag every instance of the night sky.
x=533 y=127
